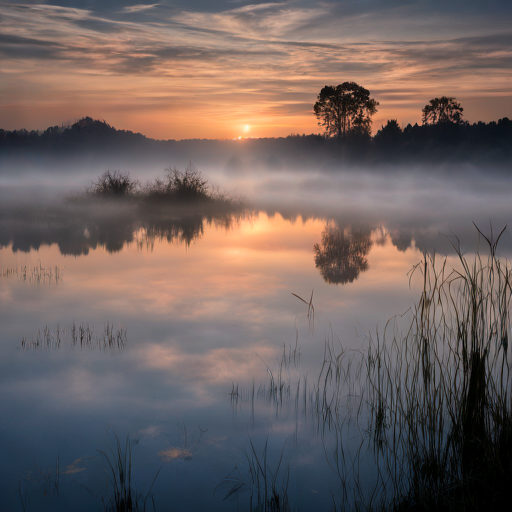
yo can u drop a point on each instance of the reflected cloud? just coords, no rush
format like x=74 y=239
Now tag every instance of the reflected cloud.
x=151 y=431
x=74 y=467
x=173 y=453
x=217 y=366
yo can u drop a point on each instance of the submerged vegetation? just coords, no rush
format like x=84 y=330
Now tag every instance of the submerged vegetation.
x=77 y=336
x=36 y=274
x=267 y=486
x=119 y=493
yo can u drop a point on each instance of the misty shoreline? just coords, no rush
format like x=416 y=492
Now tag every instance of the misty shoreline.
x=444 y=148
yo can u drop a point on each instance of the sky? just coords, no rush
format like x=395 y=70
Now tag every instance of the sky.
x=220 y=69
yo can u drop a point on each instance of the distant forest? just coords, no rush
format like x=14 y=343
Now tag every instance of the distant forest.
x=477 y=143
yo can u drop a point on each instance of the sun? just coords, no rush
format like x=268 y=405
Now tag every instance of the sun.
x=246 y=128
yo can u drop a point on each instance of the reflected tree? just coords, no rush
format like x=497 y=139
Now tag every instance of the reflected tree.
x=77 y=230
x=341 y=257
x=183 y=230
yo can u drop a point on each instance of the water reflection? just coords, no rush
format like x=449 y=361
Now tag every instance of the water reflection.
x=341 y=257
x=80 y=227
x=220 y=318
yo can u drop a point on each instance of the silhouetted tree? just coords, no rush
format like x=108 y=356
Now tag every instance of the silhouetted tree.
x=341 y=257
x=442 y=110
x=345 y=108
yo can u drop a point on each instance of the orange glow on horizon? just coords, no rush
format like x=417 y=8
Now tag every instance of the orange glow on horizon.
x=177 y=82
x=158 y=126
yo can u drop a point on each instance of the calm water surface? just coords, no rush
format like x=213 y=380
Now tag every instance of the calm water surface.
x=174 y=343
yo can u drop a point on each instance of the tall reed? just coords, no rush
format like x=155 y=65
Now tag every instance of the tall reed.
x=121 y=492
x=267 y=485
x=422 y=419
x=440 y=397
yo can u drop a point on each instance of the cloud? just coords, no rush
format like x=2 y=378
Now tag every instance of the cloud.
x=135 y=65
x=14 y=39
x=250 y=57
x=102 y=26
x=139 y=8
x=19 y=47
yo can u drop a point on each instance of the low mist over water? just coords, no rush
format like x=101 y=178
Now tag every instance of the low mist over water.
x=200 y=330
x=422 y=205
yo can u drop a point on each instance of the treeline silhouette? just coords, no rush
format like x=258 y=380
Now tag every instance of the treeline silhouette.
x=444 y=141
x=86 y=132
x=477 y=143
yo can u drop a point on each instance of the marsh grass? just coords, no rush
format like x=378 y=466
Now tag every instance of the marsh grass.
x=80 y=336
x=436 y=401
x=421 y=419
x=282 y=384
x=35 y=274
x=441 y=396
x=266 y=484
x=121 y=494
x=39 y=482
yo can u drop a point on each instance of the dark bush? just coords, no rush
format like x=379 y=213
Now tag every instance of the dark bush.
x=187 y=185
x=114 y=183
x=176 y=188
x=180 y=186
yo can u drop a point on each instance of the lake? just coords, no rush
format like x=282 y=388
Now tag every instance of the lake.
x=203 y=339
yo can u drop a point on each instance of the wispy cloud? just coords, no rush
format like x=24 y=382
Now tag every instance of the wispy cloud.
x=138 y=8
x=244 y=62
